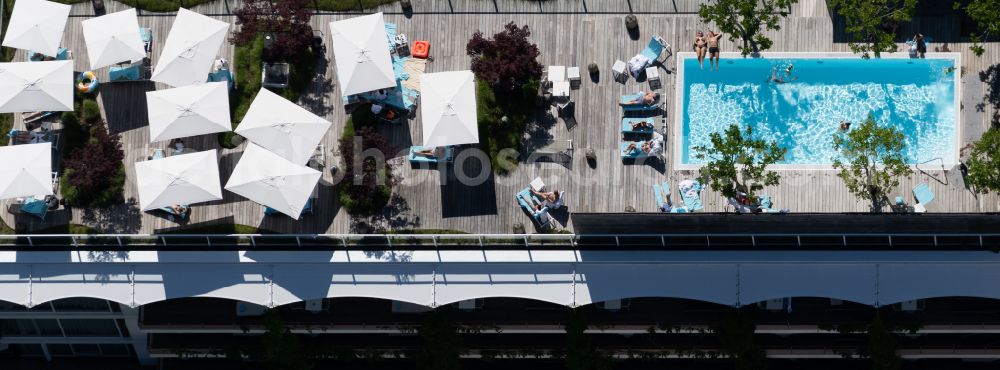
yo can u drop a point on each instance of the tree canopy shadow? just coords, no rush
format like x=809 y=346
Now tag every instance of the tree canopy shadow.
x=991 y=77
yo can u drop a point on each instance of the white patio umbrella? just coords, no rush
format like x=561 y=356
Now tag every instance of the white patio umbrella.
x=362 y=52
x=37 y=25
x=113 y=38
x=273 y=181
x=180 y=179
x=448 y=105
x=36 y=86
x=190 y=50
x=25 y=170
x=283 y=127
x=188 y=111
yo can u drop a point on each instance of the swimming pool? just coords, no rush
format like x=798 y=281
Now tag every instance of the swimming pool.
x=918 y=96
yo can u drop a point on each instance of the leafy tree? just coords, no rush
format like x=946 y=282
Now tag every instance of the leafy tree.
x=580 y=352
x=881 y=348
x=441 y=345
x=986 y=14
x=746 y=20
x=736 y=333
x=507 y=61
x=871 y=161
x=94 y=174
x=286 y=20
x=984 y=163
x=737 y=162
x=282 y=349
x=872 y=23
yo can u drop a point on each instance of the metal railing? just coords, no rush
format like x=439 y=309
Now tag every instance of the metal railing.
x=216 y=242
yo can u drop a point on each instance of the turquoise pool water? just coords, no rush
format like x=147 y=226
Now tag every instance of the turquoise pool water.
x=914 y=95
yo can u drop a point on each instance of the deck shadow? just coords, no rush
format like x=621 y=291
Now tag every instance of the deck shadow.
x=463 y=193
x=125 y=104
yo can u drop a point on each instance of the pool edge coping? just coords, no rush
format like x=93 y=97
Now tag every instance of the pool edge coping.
x=678 y=123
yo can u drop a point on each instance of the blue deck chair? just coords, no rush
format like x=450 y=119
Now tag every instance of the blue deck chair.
x=541 y=218
x=635 y=107
x=627 y=125
x=306 y=209
x=146 y=35
x=221 y=75
x=413 y=157
x=655 y=48
x=124 y=73
x=923 y=194
x=180 y=217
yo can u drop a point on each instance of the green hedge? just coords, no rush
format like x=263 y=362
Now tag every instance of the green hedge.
x=495 y=135
x=160 y=6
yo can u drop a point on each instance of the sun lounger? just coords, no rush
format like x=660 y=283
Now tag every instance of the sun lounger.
x=628 y=121
x=130 y=72
x=625 y=99
x=540 y=217
x=35 y=207
x=690 y=191
x=655 y=150
x=655 y=48
x=663 y=204
x=147 y=38
x=306 y=209
x=414 y=157
x=924 y=196
x=174 y=216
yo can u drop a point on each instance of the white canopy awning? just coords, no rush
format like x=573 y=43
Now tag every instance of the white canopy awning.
x=37 y=25
x=273 y=181
x=190 y=50
x=188 y=111
x=113 y=38
x=180 y=179
x=25 y=170
x=36 y=86
x=448 y=106
x=283 y=127
x=361 y=49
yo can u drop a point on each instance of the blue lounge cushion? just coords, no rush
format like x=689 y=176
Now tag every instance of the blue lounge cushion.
x=653 y=49
x=130 y=72
x=540 y=217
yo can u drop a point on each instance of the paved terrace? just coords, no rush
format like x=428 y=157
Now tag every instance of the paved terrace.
x=574 y=33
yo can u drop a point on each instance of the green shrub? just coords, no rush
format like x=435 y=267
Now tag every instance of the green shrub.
x=495 y=135
x=248 y=62
x=74 y=136
x=91 y=112
x=94 y=175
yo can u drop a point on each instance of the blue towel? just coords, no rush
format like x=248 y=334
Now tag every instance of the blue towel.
x=691 y=196
x=653 y=49
x=35 y=207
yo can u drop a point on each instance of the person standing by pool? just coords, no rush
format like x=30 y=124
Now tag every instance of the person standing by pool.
x=713 y=48
x=918 y=39
x=699 y=48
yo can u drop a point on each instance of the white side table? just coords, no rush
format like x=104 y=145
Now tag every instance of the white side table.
x=618 y=71
x=573 y=74
x=653 y=76
x=560 y=88
x=557 y=73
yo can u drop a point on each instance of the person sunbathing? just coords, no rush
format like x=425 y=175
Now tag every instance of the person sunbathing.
x=178 y=209
x=645 y=146
x=642 y=125
x=642 y=98
x=550 y=199
x=430 y=153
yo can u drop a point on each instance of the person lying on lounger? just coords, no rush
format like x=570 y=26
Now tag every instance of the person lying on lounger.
x=435 y=152
x=642 y=125
x=645 y=146
x=550 y=199
x=643 y=98
x=178 y=209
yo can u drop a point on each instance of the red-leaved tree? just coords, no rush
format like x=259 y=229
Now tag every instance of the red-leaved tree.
x=508 y=60
x=365 y=188
x=287 y=20
x=94 y=169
